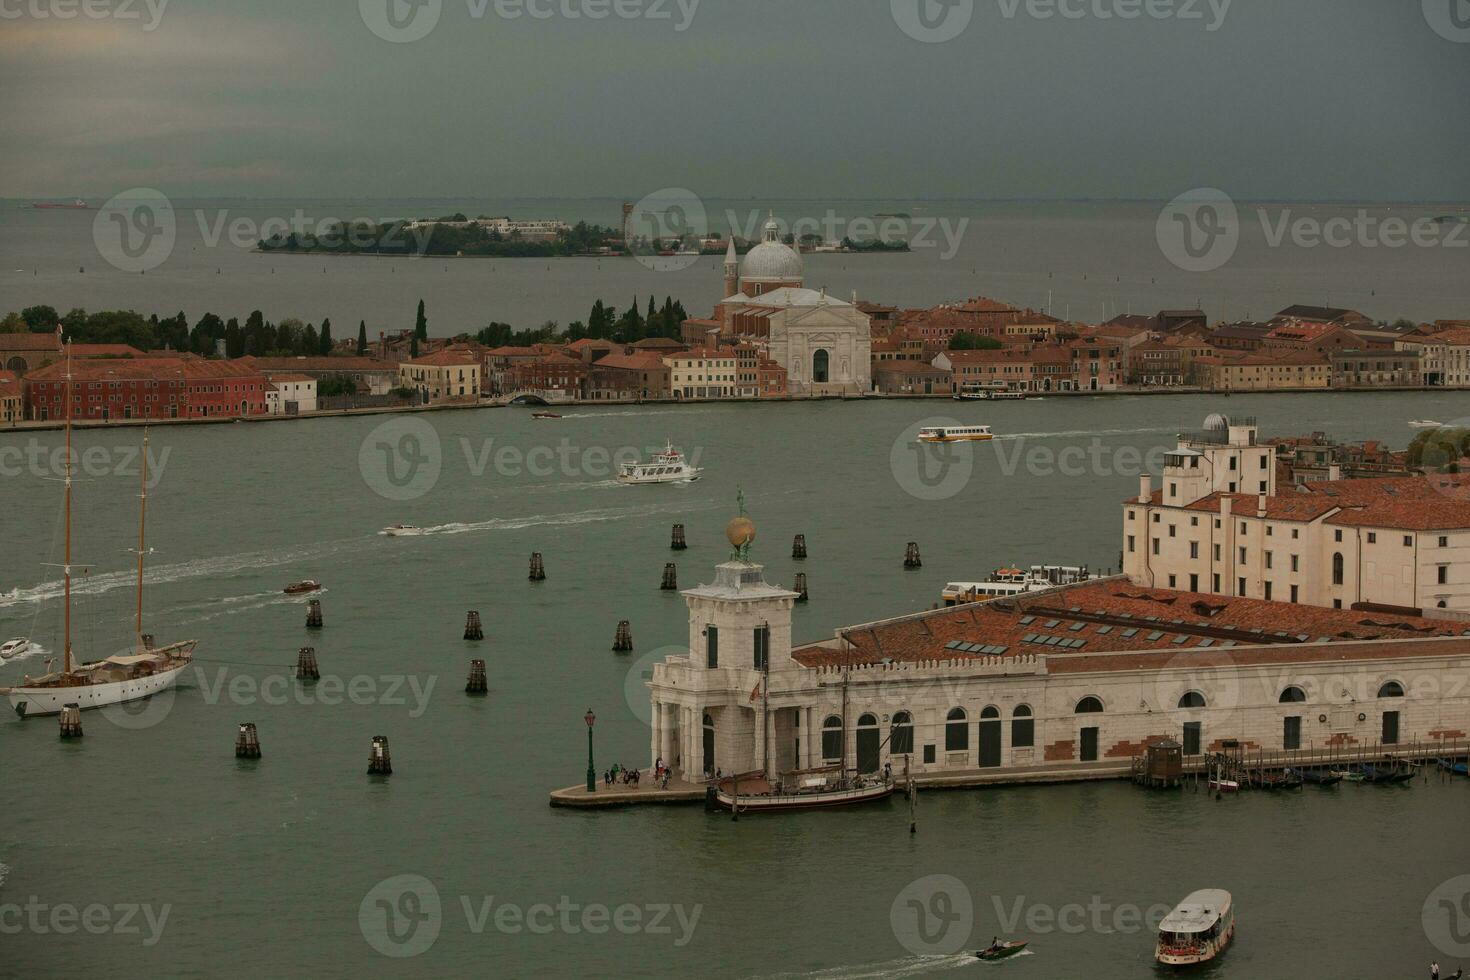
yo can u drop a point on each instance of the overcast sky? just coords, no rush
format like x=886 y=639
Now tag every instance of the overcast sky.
x=1287 y=99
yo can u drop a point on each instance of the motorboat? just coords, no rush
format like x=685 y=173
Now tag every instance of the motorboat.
x=1197 y=930
x=14 y=648
x=1001 y=950
x=302 y=587
x=1425 y=424
x=545 y=415
x=401 y=530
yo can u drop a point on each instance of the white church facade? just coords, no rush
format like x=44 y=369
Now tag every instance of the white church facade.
x=824 y=343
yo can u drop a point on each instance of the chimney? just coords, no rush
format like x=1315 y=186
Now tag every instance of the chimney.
x=1145 y=489
x=1261 y=505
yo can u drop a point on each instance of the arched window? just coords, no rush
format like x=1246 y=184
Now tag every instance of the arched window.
x=991 y=711
x=1293 y=695
x=832 y=739
x=1192 y=699
x=867 y=721
x=1337 y=568
x=708 y=721
x=902 y=741
x=956 y=731
x=1393 y=689
x=1023 y=727
x=1089 y=705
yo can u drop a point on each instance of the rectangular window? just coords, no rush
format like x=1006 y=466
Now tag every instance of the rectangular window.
x=1172 y=529
x=1194 y=549
x=1296 y=563
x=1444 y=575
x=1240 y=587
x=1337 y=535
x=1268 y=591
x=1156 y=546
x=1193 y=583
x=1217 y=552
x=1408 y=541
x=1023 y=733
x=1215 y=583
x=929 y=754
x=1372 y=538
x=1242 y=556
x=762 y=646
x=1131 y=543
x=1268 y=559
x=1171 y=581
x=712 y=646
x=1293 y=593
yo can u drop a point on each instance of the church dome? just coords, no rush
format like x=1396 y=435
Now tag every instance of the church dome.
x=772 y=258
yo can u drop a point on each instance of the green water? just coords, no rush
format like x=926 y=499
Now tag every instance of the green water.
x=265 y=867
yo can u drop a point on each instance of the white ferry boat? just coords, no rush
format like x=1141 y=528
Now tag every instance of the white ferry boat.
x=668 y=466
x=980 y=391
x=1198 y=930
x=1015 y=581
x=955 y=433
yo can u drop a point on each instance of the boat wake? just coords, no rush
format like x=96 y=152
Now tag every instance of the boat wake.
x=34 y=652
x=1073 y=433
x=639 y=413
x=548 y=520
x=908 y=966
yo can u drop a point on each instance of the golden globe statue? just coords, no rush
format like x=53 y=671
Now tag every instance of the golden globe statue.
x=740 y=532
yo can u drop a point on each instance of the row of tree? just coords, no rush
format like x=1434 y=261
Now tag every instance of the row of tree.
x=396 y=238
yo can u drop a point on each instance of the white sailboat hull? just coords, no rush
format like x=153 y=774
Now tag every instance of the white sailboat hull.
x=32 y=701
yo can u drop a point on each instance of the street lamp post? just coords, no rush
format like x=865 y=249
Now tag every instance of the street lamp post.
x=591 y=771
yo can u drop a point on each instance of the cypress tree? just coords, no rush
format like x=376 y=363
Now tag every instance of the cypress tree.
x=362 y=347
x=326 y=337
x=421 y=324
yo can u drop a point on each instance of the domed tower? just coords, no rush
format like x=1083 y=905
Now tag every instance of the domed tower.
x=772 y=264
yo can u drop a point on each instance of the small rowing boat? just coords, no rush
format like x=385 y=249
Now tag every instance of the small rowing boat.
x=1450 y=765
x=1224 y=785
x=1316 y=777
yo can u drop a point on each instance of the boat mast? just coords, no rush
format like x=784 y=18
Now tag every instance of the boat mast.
x=142 y=525
x=66 y=556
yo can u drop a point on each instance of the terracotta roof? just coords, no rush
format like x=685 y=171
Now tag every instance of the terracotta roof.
x=143 y=369
x=1411 y=503
x=319 y=363
x=288 y=376
x=447 y=358
x=661 y=343
x=1116 y=617
x=9 y=378
x=30 y=341
x=909 y=367
x=106 y=350
x=639 y=361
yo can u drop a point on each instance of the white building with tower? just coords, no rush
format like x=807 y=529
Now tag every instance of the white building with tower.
x=823 y=342
x=1076 y=679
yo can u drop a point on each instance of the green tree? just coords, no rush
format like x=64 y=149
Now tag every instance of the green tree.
x=362 y=347
x=40 y=319
x=325 y=346
x=965 y=340
x=421 y=324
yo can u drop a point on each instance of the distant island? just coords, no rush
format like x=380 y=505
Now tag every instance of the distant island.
x=458 y=236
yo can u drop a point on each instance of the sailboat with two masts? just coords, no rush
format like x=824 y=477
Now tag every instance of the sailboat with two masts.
x=118 y=679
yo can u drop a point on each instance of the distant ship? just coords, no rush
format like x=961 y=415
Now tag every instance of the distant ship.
x=77 y=204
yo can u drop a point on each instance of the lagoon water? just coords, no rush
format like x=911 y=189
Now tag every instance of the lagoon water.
x=270 y=868
x=1081 y=260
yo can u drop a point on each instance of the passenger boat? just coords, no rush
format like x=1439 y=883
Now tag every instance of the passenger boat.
x=1198 y=930
x=401 y=530
x=302 y=587
x=1316 y=777
x=955 y=433
x=668 y=466
x=1001 y=950
x=14 y=648
x=1425 y=424
x=1014 y=581
x=1448 y=765
x=120 y=678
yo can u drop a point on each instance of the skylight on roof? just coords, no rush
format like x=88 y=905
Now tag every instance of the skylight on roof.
x=1155 y=635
